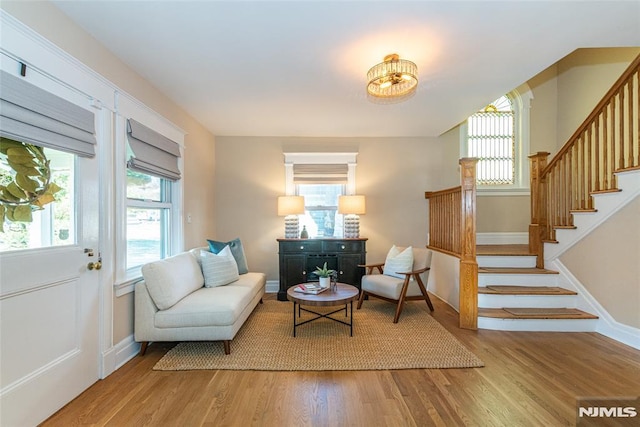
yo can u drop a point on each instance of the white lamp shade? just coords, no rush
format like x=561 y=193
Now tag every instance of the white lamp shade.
x=290 y=205
x=351 y=205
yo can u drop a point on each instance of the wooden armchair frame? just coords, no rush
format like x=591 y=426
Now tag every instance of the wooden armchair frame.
x=403 y=293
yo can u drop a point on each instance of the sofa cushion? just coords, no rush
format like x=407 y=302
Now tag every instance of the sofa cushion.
x=171 y=279
x=219 y=306
x=398 y=261
x=387 y=286
x=218 y=269
x=236 y=249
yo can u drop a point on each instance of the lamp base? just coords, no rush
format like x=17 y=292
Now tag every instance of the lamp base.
x=351 y=226
x=291 y=227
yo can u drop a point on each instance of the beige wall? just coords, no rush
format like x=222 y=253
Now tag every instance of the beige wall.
x=199 y=159
x=607 y=263
x=393 y=174
x=584 y=77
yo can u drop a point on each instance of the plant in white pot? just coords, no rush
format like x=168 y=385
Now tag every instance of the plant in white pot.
x=325 y=275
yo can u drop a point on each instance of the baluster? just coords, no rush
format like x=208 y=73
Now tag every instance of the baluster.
x=596 y=158
x=614 y=179
x=561 y=219
x=570 y=185
x=589 y=160
x=621 y=129
x=605 y=145
x=630 y=85
x=637 y=76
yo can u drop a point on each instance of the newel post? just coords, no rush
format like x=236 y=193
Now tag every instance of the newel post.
x=468 y=264
x=538 y=225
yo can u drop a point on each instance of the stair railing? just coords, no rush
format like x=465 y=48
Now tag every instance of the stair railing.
x=607 y=142
x=452 y=230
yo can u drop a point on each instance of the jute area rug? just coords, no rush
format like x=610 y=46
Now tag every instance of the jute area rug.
x=266 y=343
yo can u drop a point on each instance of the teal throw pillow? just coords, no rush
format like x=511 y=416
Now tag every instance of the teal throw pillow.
x=236 y=250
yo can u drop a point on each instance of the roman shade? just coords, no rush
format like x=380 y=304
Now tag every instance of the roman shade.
x=32 y=115
x=320 y=173
x=152 y=153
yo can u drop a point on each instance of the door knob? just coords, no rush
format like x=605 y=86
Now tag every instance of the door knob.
x=95 y=265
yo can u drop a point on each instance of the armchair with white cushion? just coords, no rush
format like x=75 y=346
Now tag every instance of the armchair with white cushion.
x=401 y=278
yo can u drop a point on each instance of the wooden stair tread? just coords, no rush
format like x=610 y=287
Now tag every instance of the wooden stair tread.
x=565 y=227
x=503 y=250
x=608 y=190
x=578 y=211
x=542 y=313
x=524 y=290
x=515 y=270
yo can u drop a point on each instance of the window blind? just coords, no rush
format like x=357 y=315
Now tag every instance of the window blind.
x=320 y=173
x=152 y=153
x=32 y=115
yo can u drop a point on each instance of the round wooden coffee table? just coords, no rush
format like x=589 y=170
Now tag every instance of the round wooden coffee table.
x=344 y=295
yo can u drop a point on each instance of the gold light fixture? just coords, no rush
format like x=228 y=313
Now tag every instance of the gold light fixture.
x=394 y=77
x=351 y=207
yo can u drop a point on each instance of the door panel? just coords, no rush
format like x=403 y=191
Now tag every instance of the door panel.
x=49 y=307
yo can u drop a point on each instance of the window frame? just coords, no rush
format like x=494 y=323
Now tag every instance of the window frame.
x=521 y=102
x=333 y=158
x=129 y=108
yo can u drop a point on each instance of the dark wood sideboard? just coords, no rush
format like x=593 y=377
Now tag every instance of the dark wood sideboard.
x=300 y=257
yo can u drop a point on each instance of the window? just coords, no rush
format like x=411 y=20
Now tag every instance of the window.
x=498 y=135
x=491 y=139
x=321 y=178
x=149 y=187
x=148 y=218
x=54 y=225
x=321 y=217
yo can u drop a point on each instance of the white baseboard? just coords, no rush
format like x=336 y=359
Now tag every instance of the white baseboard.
x=115 y=357
x=272 y=287
x=513 y=238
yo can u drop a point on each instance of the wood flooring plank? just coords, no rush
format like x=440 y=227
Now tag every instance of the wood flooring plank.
x=529 y=379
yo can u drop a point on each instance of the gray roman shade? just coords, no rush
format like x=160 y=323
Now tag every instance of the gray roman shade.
x=320 y=173
x=34 y=116
x=152 y=153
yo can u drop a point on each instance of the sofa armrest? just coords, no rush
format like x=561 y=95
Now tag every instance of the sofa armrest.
x=144 y=313
x=370 y=267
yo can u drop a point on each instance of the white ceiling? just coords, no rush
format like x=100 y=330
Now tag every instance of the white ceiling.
x=285 y=68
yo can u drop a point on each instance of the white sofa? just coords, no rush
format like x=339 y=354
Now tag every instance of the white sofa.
x=172 y=304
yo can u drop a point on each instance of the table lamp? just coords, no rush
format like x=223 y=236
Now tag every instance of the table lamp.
x=351 y=207
x=290 y=207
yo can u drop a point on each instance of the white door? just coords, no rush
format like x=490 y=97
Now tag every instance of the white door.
x=50 y=307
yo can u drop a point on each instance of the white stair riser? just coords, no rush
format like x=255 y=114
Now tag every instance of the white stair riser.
x=541 y=325
x=526 y=301
x=506 y=261
x=487 y=279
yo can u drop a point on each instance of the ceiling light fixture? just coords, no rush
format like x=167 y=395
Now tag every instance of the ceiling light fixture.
x=394 y=77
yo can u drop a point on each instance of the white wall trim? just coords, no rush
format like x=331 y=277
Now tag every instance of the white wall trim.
x=115 y=357
x=606 y=324
x=272 y=287
x=512 y=238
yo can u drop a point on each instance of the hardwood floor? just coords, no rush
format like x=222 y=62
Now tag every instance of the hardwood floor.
x=529 y=379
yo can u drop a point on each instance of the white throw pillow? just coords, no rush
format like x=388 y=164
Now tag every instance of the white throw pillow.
x=398 y=262
x=219 y=269
x=171 y=279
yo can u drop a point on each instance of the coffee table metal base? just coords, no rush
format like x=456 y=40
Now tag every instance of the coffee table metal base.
x=323 y=315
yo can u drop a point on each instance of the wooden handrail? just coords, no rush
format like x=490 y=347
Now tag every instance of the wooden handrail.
x=607 y=142
x=452 y=230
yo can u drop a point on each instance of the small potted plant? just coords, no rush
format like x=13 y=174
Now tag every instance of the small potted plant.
x=325 y=275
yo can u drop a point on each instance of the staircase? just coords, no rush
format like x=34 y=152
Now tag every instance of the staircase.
x=515 y=295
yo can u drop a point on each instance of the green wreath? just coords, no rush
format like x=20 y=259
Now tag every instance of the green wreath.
x=25 y=181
